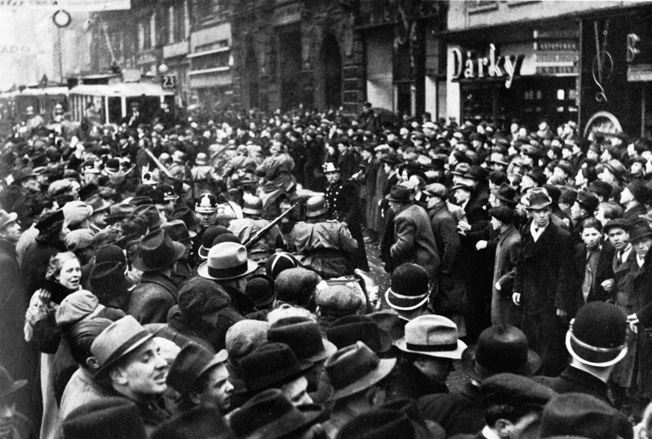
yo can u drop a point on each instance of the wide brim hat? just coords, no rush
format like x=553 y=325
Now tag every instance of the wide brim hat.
x=350 y=329
x=275 y=376
x=479 y=373
x=118 y=340
x=7 y=218
x=234 y=258
x=108 y=277
x=382 y=369
x=283 y=421
x=157 y=251
x=538 y=200
x=465 y=187
x=400 y=194
x=432 y=335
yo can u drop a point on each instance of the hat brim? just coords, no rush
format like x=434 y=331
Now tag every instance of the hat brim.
x=478 y=373
x=179 y=250
x=453 y=355
x=283 y=428
x=102 y=371
x=329 y=349
x=14 y=386
x=11 y=218
x=277 y=380
x=105 y=205
x=571 y=351
x=218 y=359
x=203 y=271
x=384 y=368
x=462 y=186
x=538 y=206
x=403 y=304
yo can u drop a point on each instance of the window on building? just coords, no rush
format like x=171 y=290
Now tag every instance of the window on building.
x=145 y=34
x=175 y=21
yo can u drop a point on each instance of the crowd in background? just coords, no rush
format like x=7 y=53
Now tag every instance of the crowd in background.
x=210 y=278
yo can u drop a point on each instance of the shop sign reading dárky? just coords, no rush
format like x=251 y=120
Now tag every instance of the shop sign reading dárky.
x=492 y=66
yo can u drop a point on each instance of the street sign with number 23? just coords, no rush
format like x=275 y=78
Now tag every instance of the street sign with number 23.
x=169 y=82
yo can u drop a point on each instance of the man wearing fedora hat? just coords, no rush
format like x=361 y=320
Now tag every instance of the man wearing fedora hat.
x=274 y=365
x=201 y=378
x=228 y=265
x=13 y=424
x=358 y=379
x=271 y=415
x=131 y=366
x=428 y=348
x=151 y=300
x=541 y=282
x=414 y=240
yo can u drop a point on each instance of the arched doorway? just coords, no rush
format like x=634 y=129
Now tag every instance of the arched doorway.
x=331 y=58
x=252 y=84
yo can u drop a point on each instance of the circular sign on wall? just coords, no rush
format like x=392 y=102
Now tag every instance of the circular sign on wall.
x=602 y=122
x=61 y=18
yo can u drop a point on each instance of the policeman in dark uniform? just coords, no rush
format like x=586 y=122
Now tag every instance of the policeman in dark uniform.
x=323 y=245
x=344 y=206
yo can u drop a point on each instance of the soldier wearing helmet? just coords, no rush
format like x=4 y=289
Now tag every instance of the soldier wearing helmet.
x=324 y=245
x=252 y=223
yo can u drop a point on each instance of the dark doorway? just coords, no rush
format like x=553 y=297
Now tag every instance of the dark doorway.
x=290 y=67
x=251 y=80
x=332 y=62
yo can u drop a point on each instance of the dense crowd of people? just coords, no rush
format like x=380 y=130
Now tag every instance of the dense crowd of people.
x=209 y=278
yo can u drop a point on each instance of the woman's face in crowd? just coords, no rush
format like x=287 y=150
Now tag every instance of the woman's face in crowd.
x=70 y=274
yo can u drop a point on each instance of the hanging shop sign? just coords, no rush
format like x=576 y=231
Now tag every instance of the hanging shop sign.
x=491 y=66
x=556 y=52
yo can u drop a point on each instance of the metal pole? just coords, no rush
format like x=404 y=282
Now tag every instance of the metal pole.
x=60 y=55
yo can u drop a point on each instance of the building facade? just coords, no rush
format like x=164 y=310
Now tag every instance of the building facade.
x=525 y=60
x=330 y=54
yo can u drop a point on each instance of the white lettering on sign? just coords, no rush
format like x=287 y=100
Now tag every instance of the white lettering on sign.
x=497 y=67
x=632 y=50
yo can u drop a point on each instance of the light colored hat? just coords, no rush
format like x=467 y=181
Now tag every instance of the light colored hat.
x=432 y=335
x=227 y=260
